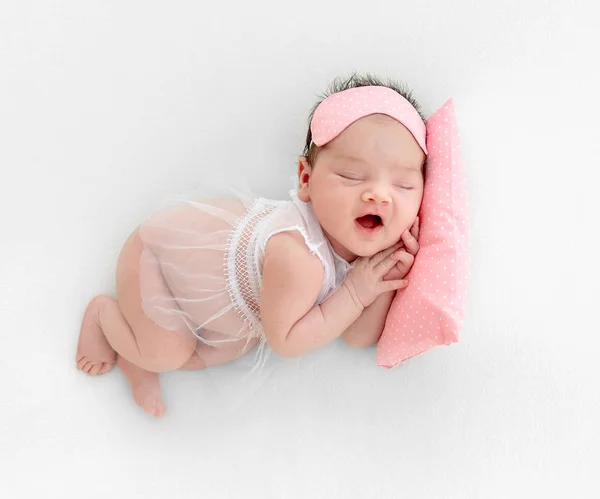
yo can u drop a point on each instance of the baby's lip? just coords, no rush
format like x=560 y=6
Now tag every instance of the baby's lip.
x=375 y=213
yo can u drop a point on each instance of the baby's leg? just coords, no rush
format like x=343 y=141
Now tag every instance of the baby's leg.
x=144 y=348
x=125 y=325
x=103 y=314
x=147 y=345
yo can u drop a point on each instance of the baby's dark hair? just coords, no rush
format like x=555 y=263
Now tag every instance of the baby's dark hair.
x=354 y=81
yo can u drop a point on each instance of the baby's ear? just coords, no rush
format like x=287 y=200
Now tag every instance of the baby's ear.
x=304 y=173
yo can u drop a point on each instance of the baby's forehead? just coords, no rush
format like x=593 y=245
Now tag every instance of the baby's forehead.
x=374 y=137
x=393 y=162
x=380 y=118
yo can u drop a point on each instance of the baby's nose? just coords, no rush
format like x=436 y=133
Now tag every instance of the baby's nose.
x=377 y=194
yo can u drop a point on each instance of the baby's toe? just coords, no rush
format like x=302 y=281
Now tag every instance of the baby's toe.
x=95 y=369
x=106 y=366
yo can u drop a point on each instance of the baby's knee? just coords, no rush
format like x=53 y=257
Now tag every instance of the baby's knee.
x=166 y=353
x=162 y=364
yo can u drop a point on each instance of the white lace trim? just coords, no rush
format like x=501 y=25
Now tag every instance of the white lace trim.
x=239 y=269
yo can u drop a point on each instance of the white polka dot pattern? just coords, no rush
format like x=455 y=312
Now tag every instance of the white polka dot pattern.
x=430 y=311
x=338 y=111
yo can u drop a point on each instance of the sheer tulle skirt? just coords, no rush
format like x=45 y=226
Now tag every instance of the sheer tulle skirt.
x=186 y=249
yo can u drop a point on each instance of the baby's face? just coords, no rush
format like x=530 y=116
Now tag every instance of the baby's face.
x=366 y=186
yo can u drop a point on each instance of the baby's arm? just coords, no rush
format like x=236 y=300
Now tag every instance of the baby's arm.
x=292 y=278
x=366 y=330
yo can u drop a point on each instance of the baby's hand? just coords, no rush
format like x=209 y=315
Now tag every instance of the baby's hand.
x=409 y=247
x=365 y=280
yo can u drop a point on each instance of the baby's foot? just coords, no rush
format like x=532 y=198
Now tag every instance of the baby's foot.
x=94 y=353
x=145 y=387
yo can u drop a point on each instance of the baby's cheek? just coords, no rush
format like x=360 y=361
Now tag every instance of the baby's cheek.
x=395 y=230
x=329 y=219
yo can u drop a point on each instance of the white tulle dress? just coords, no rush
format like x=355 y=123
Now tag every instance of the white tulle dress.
x=210 y=253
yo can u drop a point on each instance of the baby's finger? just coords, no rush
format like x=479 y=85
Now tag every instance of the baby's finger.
x=386 y=265
x=410 y=243
x=405 y=258
x=414 y=230
x=385 y=286
x=382 y=255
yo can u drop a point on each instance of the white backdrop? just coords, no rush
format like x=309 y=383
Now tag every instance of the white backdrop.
x=109 y=107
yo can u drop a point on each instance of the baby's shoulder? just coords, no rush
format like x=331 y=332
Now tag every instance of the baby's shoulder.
x=288 y=252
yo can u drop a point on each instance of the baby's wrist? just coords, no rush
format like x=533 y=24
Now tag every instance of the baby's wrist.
x=353 y=295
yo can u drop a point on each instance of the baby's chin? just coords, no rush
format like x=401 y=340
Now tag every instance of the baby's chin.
x=365 y=249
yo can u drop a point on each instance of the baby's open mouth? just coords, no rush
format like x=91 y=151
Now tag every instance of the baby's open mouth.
x=369 y=221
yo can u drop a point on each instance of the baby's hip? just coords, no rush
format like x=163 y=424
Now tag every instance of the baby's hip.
x=186 y=287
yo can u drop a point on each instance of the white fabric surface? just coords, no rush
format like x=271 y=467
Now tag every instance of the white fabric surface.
x=108 y=107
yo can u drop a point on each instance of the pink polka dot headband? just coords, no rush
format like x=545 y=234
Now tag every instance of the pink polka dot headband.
x=338 y=111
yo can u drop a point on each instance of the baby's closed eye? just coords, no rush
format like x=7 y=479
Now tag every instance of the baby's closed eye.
x=351 y=176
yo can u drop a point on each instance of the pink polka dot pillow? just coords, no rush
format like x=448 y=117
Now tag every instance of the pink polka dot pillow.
x=430 y=311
